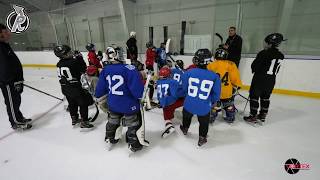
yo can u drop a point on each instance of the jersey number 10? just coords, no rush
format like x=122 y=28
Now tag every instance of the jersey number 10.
x=64 y=72
x=205 y=88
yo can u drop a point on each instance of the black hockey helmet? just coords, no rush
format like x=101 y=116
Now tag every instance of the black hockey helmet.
x=90 y=47
x=274 y=39
x=202 y=57
x=149 y=44
x=77 y=53
x=221 y=54
x=61 y=51
x=180 y=63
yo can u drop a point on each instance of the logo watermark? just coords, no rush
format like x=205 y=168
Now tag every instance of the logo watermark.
x=17 y=20
x=293 y=166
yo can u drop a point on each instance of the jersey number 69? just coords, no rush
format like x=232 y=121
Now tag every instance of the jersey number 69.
x=205 y=88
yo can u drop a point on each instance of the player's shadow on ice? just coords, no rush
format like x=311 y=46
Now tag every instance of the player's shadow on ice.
x=279 y=114
x=43 y=119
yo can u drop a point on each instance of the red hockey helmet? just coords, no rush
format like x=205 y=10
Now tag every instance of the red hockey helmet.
x=164 y=72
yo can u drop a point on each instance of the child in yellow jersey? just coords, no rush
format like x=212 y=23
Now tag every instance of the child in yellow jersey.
x=230 y=78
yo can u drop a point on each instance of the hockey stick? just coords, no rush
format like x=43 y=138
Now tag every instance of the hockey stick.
x=220 y=37
x=141 y=131
x=42 y=92
x=169 y=54
x=88 y=87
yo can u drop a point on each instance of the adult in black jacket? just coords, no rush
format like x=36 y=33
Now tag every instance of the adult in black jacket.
x=11 y=81
x=234 y=45
x=265 y=68
x=69 y=74
x=132 y=49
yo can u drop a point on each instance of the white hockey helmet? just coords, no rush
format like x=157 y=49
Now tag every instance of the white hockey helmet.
x=114 y=54
x=132 y=34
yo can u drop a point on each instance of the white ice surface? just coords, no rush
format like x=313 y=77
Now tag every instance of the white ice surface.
x=53 y=150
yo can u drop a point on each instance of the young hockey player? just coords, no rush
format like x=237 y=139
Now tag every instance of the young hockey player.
x=230 y=78
x=93 y=60
x=150 y=56
x=69 y=73
x=202 y=88
x=123 y=86
x=177 y=71
x=170 y=98
x=192 y=65
x=161 y=55
x=264 y=68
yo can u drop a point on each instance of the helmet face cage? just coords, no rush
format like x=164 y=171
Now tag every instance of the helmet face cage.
x=180 y=63
x=90 y=47
x=115 y=54
x=63 y=51
x=149 y=44
x=202 y=57
x=221 y=54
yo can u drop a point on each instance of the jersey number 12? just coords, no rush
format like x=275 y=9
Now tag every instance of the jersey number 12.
x=119 y=81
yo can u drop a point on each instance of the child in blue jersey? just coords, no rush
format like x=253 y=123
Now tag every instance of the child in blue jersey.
x=123 y=86
x=202 y=88
x=170 y=98
x=161 y=58
x=178 y=71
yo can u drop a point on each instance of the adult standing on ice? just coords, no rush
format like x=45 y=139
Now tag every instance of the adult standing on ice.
x=132 y=48
x=233 y=45
x=11 y=81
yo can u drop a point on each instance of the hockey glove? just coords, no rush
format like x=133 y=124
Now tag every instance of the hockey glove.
x=18 y=86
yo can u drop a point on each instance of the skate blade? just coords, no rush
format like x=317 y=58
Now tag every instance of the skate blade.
x=132 y=153
x=261 y=123
x=87 y=129
x=202 y=146
x=254 y=124
x=165 y=135
x=22 y=128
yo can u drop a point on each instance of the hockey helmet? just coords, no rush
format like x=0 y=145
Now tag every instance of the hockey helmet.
x=169 y=63
x=180 y=63
x=221 y=54
x=77 y=53
x=90 y=47
x=202 y=57
x=149 y=44
x=164 y=72
x=62 y=51
x=132 y=34
x=274 y=39
x=114 y=54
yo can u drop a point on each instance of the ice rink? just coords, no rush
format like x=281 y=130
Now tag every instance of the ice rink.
x=53 y=150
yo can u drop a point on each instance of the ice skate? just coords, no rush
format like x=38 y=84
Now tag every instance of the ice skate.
x=202 y=141
x=169 y=129
x=251 y=119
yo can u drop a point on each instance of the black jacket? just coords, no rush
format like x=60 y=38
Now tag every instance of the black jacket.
x=132 y=50
x=10 y=65
x=235 y=47
x=265 y=68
